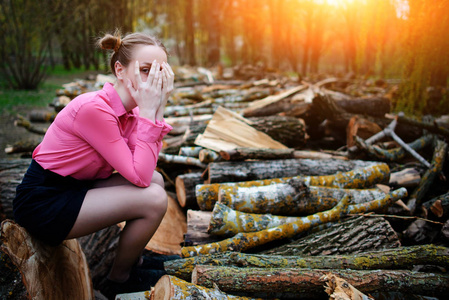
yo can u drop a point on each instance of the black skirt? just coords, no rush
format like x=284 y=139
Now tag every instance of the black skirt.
x=47 y=204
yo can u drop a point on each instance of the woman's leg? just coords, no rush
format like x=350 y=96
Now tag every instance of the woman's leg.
x=115 y=200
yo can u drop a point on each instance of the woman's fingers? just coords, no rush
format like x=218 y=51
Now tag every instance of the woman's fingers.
x=137 y=73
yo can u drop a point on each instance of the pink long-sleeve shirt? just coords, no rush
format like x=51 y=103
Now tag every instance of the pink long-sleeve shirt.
x=94 y=135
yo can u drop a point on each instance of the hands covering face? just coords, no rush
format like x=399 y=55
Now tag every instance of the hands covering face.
x=153 y=93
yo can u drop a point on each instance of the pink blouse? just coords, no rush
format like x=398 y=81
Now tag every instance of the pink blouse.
x=94 y=135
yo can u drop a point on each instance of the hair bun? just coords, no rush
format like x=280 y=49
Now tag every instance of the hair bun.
x=110 y=42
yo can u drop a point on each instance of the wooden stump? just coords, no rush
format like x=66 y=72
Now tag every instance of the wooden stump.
x=48 y=272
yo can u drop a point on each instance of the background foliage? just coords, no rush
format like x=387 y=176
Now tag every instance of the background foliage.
x=369 y=38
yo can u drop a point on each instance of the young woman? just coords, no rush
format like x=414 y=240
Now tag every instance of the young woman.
x=96 y=164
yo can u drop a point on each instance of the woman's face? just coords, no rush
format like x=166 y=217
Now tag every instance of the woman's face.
x=145 y=55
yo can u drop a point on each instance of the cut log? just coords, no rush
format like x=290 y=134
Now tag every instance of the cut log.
x=439 y=157
x=206 y=156
x=239 y=154
x=360 y=127
x=351 y=236
x=185 y=189
x=309 y=282
x=372 y=106
x=289 y=131
x=338 y=288
x=227 y=222
x=11 y=284
x=190 y=151
x=23 y=122
x=207 y=194
x=398 y=258
x=393 y=155
x=184 y=160
x=437 y=208
x=266 y=169
x=197 y=224
x=170 y=287
x=244 y=241
x=409 y=177
x=292 y=198
x=48 y=272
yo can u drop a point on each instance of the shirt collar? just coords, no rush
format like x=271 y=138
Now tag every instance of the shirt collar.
x=115 y=101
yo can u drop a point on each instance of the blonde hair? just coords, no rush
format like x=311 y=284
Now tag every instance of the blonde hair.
x=124 y=47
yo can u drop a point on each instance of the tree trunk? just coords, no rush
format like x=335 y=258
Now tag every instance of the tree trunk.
x=227 y=222
x=290 y=198
x=185 y=189
x=351 y=236
x=256 y=170
x=373 y=106
x=207 y=194
x=171 y=287
x=245 y=241
x=278 y=281
x=48 y=272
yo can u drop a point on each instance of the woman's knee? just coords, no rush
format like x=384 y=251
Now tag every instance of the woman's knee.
x=156 y=199
x=158 y=179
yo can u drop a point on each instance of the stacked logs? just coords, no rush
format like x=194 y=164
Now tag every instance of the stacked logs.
x=295 y=221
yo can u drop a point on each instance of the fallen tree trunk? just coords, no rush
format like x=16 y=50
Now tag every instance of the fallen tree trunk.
x=227 y=222
x=267 y=169
x=207 y=194
x=48 y=272
x=292 y=198
x=399 y=258
x=244 y=241
x=309 y=281
x=239 y=154
x=170 y=287
x=351 y=236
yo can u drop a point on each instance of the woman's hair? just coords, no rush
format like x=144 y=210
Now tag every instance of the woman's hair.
x=124 y=47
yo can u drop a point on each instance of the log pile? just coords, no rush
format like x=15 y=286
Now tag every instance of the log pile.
x=289 y=190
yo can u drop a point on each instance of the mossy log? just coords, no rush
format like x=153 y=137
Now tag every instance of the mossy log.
x=359 y=178
x=226 y=221
x=230 y=171
x=244 y=241
x=309 y=282
x=396 y=154
x=290 y=199
x=190 y=151
x=171 y=287
x=439 y=157
x=48 y=272
x=398 y=258
x=206 y=156
x=185 y=188
x=350 y=236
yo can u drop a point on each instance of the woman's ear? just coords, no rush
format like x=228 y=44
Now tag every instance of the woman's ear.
x=119 y=70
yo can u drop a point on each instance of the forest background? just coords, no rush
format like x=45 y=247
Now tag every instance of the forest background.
x=401 y=39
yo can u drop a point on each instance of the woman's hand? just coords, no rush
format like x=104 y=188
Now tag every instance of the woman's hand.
x=168 y=78
x=147 y=95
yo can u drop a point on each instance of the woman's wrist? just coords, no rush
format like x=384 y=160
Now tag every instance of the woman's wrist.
x=148 y=114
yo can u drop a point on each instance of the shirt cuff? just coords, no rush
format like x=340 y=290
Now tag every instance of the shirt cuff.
x=166 y=128
x=148 y=130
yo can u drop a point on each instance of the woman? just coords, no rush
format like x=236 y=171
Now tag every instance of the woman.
x=96 y=164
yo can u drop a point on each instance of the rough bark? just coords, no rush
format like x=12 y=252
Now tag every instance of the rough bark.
x=177 y=159
x=351 y=236
x=185 y=189
x=239 y=154
x=299 y=281
x=292 y=198
x=244 y=241
x=263 y=169
x=48 y=272
x=405 y=258
x=207 y=194
x=227 y=222
x=171 y=287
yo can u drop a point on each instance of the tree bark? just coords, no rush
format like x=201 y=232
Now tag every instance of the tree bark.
x=171 y=287
x=185 y=189
x=292 y=198
x=227 y=222
x=207 y=194
x=197 y=224
x=395 y=258
x=262 y=169
x=239 y=154
x=245 y=241
x=48 y=272
x=351 y=236
x=299 y=281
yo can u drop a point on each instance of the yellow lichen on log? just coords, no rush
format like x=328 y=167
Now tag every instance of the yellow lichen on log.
x=360 y=178
x=244 y=241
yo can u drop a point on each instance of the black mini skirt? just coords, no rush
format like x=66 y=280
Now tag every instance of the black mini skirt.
x=47 y=204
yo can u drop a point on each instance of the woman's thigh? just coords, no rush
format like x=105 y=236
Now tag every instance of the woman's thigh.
x=117 y=179
x=109 y=205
